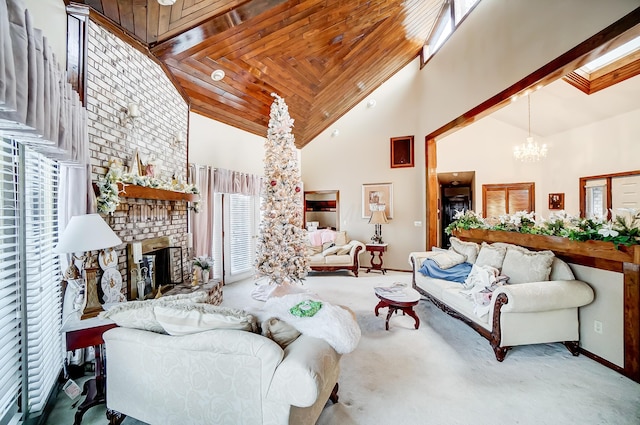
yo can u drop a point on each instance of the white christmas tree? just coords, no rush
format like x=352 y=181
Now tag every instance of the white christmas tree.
x=281 y=253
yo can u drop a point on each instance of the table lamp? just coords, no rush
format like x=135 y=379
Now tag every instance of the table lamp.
x=86 y=233
x=378 y=218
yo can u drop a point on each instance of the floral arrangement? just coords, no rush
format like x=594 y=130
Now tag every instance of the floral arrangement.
x=624 y=229
x=108 y=199
x=203 y=262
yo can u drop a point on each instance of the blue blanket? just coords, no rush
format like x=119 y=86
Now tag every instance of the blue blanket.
x=455 y=274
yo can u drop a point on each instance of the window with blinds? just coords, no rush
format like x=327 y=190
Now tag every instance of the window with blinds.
x=30 y=317
x=241 y=224
x=10 y=311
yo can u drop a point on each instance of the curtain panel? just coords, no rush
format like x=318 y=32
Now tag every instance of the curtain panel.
x=37 y=105
x=210 y=181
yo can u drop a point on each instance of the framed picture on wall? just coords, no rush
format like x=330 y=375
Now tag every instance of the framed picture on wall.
x=402 y=152
x=556 y=201
x=374 y=195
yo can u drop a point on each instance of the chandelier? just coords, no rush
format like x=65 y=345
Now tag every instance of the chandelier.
x=530 y=151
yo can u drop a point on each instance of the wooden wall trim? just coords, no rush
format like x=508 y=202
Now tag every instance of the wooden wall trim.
x=433 y=194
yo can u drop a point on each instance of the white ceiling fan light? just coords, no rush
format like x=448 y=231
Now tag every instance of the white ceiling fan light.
x=166 y=2
x=217 y=75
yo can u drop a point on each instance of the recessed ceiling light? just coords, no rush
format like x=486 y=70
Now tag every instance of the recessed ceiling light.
x=335 y=133
x=217 y=75
x=371 y=103
x=166 y=2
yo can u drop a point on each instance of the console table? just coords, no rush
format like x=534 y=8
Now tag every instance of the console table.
x=83 y=334
x=374 y=248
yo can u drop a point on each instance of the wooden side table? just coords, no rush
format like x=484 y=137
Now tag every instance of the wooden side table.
x=84 y=334
x=380 y=248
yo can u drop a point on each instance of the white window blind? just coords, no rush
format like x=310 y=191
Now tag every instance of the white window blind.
x=10 y=365
x=217 y=249
x=42 y=279
x=30 y=317
x=241 y=225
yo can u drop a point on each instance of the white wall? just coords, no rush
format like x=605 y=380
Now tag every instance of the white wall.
x=608 y=309
x=222 y=146
x=501 y=42
x=361 y=154
x=51 y=17
x=486 y=147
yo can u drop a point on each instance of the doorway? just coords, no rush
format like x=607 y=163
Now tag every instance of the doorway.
x=456 y=194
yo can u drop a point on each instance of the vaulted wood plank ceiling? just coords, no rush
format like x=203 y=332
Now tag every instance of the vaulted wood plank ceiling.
x=322 y=56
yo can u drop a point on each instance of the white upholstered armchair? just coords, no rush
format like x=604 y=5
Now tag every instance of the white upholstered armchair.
x=217 y=377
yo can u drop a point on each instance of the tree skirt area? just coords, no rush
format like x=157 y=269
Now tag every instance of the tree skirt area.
x=446 y=373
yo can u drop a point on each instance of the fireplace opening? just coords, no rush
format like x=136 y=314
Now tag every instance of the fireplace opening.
x=160 y=265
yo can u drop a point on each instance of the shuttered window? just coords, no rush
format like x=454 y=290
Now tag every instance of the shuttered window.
x=241 y=225
x=30 y=304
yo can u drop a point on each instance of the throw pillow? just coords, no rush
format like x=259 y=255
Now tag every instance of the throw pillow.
x=344 y=250
x=327 y=245
x=470 y=249
x=140 y=315
x=279 y=331
x=447 y=258
x=313 y=250
x=331 y=251
x=187 y=319
x=491 y=256
x=524 y=266
x=341 y=238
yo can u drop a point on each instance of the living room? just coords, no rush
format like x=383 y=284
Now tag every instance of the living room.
x=415 y=101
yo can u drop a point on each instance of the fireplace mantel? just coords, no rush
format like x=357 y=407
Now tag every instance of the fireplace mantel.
x=142 y=192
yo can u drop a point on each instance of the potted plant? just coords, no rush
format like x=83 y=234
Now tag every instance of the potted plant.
x=205 y=264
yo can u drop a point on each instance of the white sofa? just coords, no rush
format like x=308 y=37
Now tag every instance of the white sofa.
x=526 y=312
x=338 y=253
x=223 y=377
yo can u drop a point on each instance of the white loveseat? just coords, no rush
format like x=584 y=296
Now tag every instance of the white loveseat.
x=223 y=377
x=542 y=310
x=329 y=250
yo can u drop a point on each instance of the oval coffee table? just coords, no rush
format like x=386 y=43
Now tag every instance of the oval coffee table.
x=403 y=300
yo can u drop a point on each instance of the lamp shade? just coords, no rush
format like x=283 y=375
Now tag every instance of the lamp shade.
x=378 y=217
x=87 y=232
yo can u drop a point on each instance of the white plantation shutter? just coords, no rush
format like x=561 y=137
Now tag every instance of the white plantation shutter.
x=44 y=341
x=217 y=249
x=10 y=360
x=241 y=224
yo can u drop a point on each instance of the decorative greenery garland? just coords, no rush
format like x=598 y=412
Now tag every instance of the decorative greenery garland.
x=623 y=230
x=109 y=198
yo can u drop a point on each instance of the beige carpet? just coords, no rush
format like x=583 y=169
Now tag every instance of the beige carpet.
x=444 y=373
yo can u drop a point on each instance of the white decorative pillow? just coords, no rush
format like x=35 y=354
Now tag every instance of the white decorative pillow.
x=341 y=238
x=140 y=315
x=313 y=250
x=331 y=251
x=279 y=331
x=447 y=258
x=187 y=319
x=468 y=249
x=522 y=265
x=491 y=256
x=344 y=250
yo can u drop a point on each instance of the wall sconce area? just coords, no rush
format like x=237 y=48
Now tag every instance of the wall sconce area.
x=129 y=113
x=179 y=139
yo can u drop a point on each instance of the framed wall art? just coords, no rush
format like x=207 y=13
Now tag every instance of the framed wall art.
x=556 y=201
x=375 y=195
x=402 y=152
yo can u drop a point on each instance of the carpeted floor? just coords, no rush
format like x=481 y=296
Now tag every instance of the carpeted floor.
x=444 y=372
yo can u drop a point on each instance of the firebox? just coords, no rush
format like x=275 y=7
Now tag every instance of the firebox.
x=160 y=265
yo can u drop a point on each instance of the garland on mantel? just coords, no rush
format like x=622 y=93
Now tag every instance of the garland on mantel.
x=624 y=229
x=109 y=198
